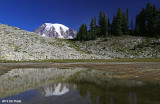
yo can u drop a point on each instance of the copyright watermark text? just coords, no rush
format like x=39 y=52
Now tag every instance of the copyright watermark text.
x=11 y=101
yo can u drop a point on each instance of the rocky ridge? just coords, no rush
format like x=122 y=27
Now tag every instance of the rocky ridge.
x=20 y=45
x=123 y=47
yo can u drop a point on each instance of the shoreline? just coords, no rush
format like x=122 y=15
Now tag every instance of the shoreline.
x=143 y=71
x=85 y=60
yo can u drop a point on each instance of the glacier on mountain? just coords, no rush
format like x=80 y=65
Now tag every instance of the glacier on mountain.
x=56 y=31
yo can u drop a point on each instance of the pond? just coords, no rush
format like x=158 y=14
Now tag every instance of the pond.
x=73 y=86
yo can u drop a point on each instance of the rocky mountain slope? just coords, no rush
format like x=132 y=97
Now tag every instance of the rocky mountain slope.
x=20 y=45
x=123 y=47
x=56 y=31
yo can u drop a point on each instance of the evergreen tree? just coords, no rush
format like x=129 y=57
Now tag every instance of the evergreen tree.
x=92 y=25
x=96 y=29
x=92 y=31
x=109 y=27
x=154 y=19
x=127 y=22
x=118 y=25
x=142 y=22
x=100 y=22
x=131 y=26
x=95 y=23
x=149 y=20
x=147 y=24
x=140 y=26
x=109 y=24
x=100 y=18
x=124 y=23
x=103 y=25
x=113 y=26
x=158 y=24
x=104 y=28
x=137 y=25
x=82 y=33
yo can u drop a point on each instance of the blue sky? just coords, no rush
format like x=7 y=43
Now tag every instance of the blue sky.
x=30 y=14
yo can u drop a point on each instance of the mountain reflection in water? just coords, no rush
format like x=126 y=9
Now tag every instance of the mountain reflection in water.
x=74 y=86
x=56 y=89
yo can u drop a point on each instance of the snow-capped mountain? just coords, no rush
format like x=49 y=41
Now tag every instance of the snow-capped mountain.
x=56 y=31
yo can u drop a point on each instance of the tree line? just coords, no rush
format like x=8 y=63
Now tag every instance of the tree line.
x=147 y=24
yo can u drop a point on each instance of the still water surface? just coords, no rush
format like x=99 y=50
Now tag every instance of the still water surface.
x=73 y=86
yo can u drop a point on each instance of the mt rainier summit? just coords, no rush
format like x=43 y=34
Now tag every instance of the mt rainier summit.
x=56 y=31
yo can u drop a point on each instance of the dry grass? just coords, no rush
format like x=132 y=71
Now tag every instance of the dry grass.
x=144 y=71
x=85 y=60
